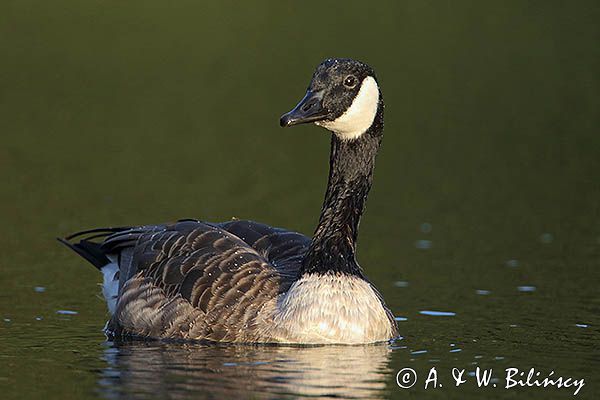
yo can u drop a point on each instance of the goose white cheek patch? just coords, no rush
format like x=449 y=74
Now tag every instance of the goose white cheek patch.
x=360 y=115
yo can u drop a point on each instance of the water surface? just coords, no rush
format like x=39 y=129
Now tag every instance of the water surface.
x=482 y=230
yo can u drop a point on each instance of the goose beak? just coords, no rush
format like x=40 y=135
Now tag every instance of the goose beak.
x=310 y=109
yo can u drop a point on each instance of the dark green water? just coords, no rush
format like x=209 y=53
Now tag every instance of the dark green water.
x=124 y=113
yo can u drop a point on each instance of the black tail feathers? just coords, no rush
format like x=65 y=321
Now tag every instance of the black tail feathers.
x=91 y=251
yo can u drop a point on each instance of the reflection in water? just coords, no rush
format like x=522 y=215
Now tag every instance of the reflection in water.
x=175 y=370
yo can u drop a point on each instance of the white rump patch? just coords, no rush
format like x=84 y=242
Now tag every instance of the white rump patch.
x=110 y=285
x=360 y=115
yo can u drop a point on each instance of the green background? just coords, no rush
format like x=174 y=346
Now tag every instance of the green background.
x=124 y=113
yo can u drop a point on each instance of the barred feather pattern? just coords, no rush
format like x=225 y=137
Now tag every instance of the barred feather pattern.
x=236 y=282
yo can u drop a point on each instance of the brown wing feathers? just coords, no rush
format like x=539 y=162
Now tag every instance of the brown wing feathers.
x=201 y=280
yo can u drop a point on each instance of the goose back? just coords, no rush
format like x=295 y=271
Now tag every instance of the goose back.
x=200 y=280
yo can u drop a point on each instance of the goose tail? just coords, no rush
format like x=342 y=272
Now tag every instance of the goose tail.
x=97 y=255
x=88 y=249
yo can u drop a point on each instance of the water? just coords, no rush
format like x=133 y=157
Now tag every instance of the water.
x=486 y=200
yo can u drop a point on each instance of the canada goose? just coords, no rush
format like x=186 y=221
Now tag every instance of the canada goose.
x=242 y=281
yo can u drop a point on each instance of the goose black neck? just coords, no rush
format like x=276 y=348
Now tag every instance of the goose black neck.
x=333 y=247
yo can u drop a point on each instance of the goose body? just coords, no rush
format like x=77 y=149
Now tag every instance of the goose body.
x=246 y=282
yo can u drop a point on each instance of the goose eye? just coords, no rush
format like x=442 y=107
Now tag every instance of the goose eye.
x=350 y=81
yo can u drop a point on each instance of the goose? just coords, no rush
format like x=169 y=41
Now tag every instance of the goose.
x=245 y=282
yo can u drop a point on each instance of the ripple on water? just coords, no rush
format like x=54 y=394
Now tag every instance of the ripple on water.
x=526 y=288
x=423 y=244
x=39 y=289
x=512 y=263
x=401 y=284
x=66 y=312
x=425 y=227
x=400 y=319
x=582 y=325
x=482 y=292
x=546 y=238
x=438 y=313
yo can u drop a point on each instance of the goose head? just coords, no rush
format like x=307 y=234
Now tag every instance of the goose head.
x=343 y=97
